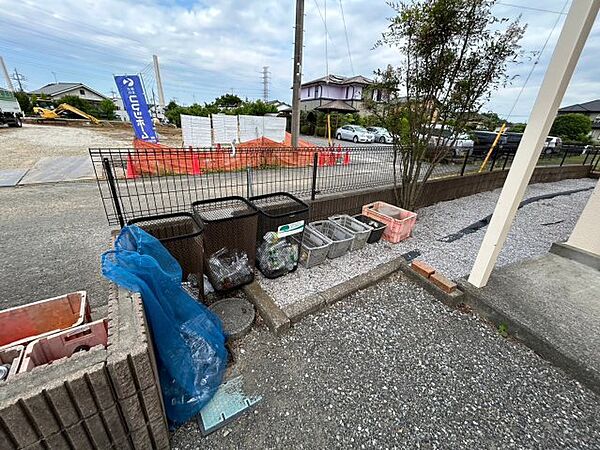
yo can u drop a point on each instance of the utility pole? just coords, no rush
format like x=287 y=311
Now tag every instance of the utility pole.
x=159 y=86
x=9 y=84
x=265 y=80
x=298 y=44
x=19 y=78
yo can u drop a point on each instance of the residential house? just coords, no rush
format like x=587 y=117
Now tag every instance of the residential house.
x=281 y=106
x=56 y=91
x=590 y=109
x=348 y=90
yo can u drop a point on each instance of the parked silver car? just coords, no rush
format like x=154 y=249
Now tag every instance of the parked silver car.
x=381 y=135
x=354 y=133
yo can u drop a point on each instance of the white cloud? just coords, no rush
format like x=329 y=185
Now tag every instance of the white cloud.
x=207 y=48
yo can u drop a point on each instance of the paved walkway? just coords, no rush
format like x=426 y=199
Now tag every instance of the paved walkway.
x=553 y=303
x=391 y=367
x=50 y=170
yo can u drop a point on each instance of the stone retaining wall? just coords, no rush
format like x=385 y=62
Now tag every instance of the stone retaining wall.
x=104 y=398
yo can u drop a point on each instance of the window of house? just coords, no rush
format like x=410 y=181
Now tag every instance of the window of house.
x=316 y=91
x=347 y=91
x=378 y=95
x=309 y=92
x=81 y=92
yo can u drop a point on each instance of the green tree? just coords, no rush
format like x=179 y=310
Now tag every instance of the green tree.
x=518 y=127
x=572 y=127
x=452 y=55
x=24 y=102
x=228 y=101
x=77 y=102
x=106 y=110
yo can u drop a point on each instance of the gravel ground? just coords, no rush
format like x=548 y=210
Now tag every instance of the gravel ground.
x=22 y=147
x=532 y=234
x=390 y=367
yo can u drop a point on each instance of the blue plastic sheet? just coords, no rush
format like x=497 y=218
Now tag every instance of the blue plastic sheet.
x=188 y=338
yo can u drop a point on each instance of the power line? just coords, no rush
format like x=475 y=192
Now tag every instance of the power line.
x=347 y=40
x=537 y=60
x=19 y=78
x=531 y=8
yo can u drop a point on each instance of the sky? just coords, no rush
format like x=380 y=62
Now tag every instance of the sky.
x=210 y=47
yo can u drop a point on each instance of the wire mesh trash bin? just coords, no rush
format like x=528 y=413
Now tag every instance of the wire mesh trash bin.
x=230 y=227
x=360 y=230
x=340 y=237
x=280 y=216
x=314 y=248
x=181 y=234
x=377 y=226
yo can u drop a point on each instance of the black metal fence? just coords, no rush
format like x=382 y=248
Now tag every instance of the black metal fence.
x=136 y=183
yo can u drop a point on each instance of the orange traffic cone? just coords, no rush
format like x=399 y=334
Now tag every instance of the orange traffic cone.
x=130 y=173
x=196 y=165
x=346 y=158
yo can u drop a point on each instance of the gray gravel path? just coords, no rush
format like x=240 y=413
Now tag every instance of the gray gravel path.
x=532 y=234
x=390 y=367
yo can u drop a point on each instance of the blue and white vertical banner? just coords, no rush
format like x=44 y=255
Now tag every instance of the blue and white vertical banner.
x=134 y=101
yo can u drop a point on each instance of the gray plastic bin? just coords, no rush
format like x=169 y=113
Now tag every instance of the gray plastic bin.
x=361 y=231
x=342 y=238
x=314 y=247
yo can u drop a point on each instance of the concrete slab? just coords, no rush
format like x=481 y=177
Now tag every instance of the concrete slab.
x=553 y=304
x=61 y=168
x=10 y=177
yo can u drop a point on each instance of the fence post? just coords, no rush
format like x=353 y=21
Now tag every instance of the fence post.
x=113 y=190
x=564 y=156
x=505 y=161
x=587 y=153
x=249 y=182
x=596 y=163
x=313 y=191
x=464 y=166
x=494 y=160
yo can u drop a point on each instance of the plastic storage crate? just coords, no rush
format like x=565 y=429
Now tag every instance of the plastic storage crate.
x=280 y=216
x=360 y=230
x=22 y=324
x=377 y=226
x=10 y=358
x=340 y=237
x=64 y=344
x=230 y=224
x=400 y=222
x=314 y=247
x=181 y=234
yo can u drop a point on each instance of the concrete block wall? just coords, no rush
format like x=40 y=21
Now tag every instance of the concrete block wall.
x=104 y=398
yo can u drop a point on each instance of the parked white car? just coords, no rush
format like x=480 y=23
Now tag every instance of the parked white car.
x=381 y=135
x=354 y=133
x=552 y=145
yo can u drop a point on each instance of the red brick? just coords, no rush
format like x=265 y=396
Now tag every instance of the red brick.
x=422 y=268
x=443 y=283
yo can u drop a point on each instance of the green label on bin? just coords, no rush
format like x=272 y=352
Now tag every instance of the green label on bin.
x=290 y=228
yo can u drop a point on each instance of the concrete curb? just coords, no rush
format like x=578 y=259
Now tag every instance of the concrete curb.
x=273 y=316
x=524 y=334
x=317 y=302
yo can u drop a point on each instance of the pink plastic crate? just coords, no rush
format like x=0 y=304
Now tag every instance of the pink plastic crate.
x=400 y=222
x=64 y=344
x=22 y=324
x=12 y=356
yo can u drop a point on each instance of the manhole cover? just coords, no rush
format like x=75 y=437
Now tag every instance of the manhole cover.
x=237 y=315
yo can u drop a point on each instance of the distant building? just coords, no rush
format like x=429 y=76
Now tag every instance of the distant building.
x=590 y=109
x=281 y=106
x=348 y=90
x=120 y=111
x=56 y=91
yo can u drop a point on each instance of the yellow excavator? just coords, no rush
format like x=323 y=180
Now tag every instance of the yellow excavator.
x=63 y=107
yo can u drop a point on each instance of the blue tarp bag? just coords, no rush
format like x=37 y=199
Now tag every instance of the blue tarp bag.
x=188 y=339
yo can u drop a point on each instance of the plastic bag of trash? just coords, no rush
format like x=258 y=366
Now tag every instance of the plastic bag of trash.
x=188 y=338
x=229 y=269
x=276 y=256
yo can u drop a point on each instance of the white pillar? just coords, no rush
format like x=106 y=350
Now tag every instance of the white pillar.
x=586 y=234
x=572 y=38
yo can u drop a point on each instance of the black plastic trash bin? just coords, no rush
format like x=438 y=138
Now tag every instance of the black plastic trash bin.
x=281 y=216
x=181 y=234
x=230 y=225
x=378 y=228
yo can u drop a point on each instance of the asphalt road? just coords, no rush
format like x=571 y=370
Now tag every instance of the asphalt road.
x=52 y=238
x=391 y=367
